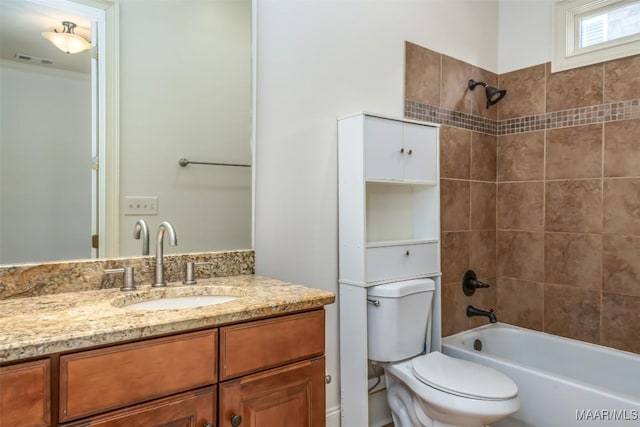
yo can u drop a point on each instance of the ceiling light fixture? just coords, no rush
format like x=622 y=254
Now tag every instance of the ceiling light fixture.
x=67 y=41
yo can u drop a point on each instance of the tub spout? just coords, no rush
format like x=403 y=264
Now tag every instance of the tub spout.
x=472 y=311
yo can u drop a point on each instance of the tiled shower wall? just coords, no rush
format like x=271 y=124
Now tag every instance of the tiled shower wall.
x=540 y=194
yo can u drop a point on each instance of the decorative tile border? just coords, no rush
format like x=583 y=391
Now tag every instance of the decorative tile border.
x=431 y=113
x=603 y=113
x=615 y=111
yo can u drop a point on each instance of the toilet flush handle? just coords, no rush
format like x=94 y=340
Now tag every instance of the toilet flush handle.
x=374 y=302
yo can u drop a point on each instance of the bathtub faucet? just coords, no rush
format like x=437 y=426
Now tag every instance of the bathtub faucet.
x=472 y=311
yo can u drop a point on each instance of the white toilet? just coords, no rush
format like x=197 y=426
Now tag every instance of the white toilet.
x=429 y=390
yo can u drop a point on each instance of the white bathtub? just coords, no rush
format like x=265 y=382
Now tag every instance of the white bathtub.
x=561 y=382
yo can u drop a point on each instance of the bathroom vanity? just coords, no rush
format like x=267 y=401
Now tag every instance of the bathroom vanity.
x=255 y=361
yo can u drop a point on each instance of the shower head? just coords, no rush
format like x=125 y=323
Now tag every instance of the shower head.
x=493 y=93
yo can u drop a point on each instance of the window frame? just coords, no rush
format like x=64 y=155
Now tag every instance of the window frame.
x=566 y=26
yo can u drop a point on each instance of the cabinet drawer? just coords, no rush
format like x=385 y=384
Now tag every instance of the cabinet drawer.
x=25 y=394
x=195 y=408
x=263 y=344
x=401 y=261
x=98 y=380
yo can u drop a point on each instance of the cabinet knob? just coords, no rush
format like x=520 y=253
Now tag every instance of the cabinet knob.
x=410 y=152
x=402 y=151
x=407 y=253
x=236 y=420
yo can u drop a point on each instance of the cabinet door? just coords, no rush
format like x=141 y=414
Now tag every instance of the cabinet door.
x=383 y=151
x=293 y=395
x=421 y=153
x=25 y=395
x=192 y=409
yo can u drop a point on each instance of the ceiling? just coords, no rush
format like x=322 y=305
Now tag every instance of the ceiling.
x=21 y=25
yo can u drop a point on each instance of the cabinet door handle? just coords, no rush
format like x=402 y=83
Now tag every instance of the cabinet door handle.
x=236 y=420
x=402 y=151
x=410 y=152
x=407 y=253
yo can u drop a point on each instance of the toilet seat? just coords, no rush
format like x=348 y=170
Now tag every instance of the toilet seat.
x=463 y=378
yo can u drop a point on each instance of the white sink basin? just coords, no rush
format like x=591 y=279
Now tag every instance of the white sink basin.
x=173 y=303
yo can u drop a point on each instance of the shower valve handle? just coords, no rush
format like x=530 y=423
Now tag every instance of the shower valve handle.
x=470 y=283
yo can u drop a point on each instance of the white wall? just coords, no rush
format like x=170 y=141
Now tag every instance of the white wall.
x=45 y=164
x=319 y=60
x=525 y=28
x=185 y=92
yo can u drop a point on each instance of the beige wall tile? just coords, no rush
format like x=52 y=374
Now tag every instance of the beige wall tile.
x=574 y=206
x=525 y=92
x=574 y=152
x=521 y=157
x=520 y=255
x=621 y=264
x=455 y=152
x=454 y=92
x=422 y=74
x=455 y=256
x=483 y=156
x=572 y=312
x=622 y=79
x=621 y=321
x=454 y=205
x=482 y=253
x=622 y=206
x=520 y=303
x=573 y=259
x=574 y=88
x=622 y=148
x=454 y=308
x=521 y=206
x=483 y=206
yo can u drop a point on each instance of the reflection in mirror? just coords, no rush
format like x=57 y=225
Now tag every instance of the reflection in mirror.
x=184 y=71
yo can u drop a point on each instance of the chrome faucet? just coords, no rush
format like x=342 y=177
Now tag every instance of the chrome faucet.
x=159 y=276
x=141 y=230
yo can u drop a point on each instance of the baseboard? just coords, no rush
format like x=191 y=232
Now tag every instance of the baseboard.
x=333 y=417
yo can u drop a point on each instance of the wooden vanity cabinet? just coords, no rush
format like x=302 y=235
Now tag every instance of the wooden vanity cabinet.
x=25 y=394
x=261 y=373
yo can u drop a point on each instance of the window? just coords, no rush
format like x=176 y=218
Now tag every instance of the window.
x=592 y=31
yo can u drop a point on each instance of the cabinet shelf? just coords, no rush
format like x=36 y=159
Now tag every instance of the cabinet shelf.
x=401 y=212
x=401 y=182
x=385 y=243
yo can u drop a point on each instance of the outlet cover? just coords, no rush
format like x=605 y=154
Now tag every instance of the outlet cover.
x=140 y=205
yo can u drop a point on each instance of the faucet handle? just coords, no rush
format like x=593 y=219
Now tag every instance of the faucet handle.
x=470 y=283
x=189 y=273
x=128 y=277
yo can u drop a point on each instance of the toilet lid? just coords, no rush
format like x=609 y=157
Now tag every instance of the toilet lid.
x=463 y=378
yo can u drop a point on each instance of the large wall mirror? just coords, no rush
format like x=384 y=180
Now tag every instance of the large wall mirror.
x=78 y=159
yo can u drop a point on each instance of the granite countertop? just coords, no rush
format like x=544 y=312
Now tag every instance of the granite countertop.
x=37 y=326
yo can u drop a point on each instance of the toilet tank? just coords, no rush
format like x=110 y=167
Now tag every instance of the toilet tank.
x=397 y=318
